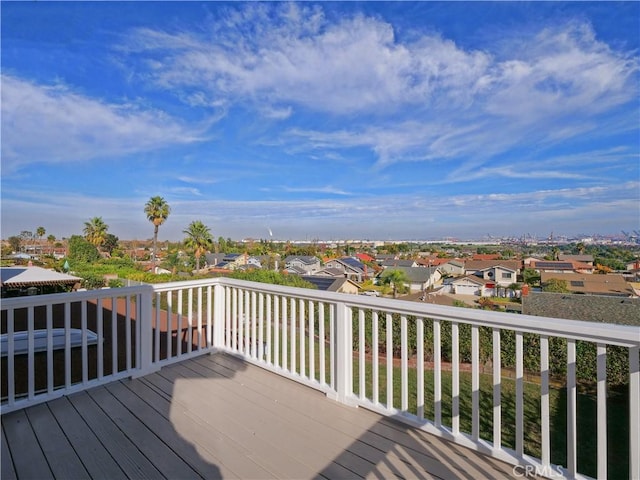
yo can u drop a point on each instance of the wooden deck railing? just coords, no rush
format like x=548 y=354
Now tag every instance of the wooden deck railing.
x=454 y=372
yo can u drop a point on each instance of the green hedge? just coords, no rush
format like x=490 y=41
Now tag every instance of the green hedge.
x=586 y=352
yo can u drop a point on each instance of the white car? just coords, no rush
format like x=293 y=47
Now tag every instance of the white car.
x=371 y=293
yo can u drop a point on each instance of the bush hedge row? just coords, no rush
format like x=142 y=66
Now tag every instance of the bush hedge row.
x=586 y=352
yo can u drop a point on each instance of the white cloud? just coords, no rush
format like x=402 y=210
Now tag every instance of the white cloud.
x=329 y=189
x=426 y=98
x=292 y=54
x=52 y=124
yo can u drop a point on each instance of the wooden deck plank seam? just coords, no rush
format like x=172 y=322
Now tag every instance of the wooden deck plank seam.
x=166 y=418
x=387 y=428
x=354 y=441
x=369 y=444
x=286 y=445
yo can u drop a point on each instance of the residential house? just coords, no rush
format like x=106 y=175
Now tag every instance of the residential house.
x=633 y=266
x=332 y=284
x=233 y=261
x=363 y=257
x=526 y=263
x=493 y=269
x=557 y=266
x=383 y=257
x=350 y=268
x=564 y=257
x=302 y=264
x=632 y=273
x=501 y=276
x=473 y=285
x=399 y=263
x=420 y=278
x=432 y=261
x=452 y=267
x=330 y=272
x=610 y=284
x=254 y=262
x=213 y=259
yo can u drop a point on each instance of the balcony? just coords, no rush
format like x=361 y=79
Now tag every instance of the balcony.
x=223 y=378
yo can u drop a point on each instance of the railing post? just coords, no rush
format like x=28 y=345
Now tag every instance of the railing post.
x=144 y=340
x=218 y=316
x=344 y=356
x=634 y=412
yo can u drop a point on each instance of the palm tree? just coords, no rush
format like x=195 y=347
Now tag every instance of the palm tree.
x=95 y=231
x=40 y=231
x=157 y=210
x=395 y=278
x=199 y=239
x=51 y=240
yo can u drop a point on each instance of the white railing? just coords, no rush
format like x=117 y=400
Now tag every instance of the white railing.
x=53 y=345
x=458 y=373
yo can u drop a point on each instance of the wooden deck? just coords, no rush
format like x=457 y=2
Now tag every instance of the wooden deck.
x=219 y=417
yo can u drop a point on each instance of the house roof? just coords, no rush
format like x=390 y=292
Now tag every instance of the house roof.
x=296 y=270
x=398 y=263
x=610 y=284
x=578 y=258
x=485 y=256
x=34 y=276
x=328 y=284
x=593 y=308
x=363 y=257
x=498 y=266
x=472 y=279
x=353 y=262
x=349 y=263
x=330 y=272
x=559 y=265
x=477 y=265
x=415 y=274
x=306 y=259
x=432 y=262
x=381 y=257
x=455 y=262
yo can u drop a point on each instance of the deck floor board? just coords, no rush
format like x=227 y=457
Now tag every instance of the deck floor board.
x=217 y=416
x=55 y=445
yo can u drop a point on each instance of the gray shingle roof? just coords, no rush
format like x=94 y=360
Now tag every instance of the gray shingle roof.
x=593 y=308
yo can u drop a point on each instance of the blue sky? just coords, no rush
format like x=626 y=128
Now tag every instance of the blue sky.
x=398 y=120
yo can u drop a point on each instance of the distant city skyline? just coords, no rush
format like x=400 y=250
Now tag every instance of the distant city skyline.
x=337 y=120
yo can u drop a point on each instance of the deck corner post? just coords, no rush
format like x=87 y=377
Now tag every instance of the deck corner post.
x=218 y=316
x=344 y=355
x=144 y=339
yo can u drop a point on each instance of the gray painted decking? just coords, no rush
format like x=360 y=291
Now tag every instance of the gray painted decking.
x=219 y=417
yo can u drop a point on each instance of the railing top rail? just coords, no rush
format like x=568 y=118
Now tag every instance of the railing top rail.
x=57 y=298
x=612 y=334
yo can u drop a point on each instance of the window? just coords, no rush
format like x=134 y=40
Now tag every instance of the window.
x=577 y=283
x=506 y=275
